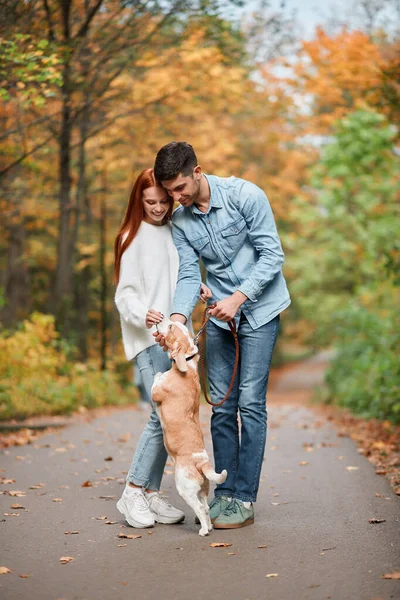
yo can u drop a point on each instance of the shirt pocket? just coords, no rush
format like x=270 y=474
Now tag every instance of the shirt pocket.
x=234 y=236
x=203 y=247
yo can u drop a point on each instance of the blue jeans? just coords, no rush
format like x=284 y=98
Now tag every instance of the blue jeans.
x=242 y=455
x=150 y=456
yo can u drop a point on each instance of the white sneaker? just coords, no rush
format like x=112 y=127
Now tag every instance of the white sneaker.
x=134 y=506
x=163 y=511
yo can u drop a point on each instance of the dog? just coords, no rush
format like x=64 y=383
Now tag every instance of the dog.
x=176 y=394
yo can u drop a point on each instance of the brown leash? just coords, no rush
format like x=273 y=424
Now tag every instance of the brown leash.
x=200 y=339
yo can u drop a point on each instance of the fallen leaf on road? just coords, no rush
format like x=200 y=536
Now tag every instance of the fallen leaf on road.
x=122 y=545
x=350 y=468
x=108 y=497
x=11 y=514
x=57 y=499
x=262 y=546
x=125 y=438
x=37 y=486
x=24 y=576
x=4 y=570
x=220 y=545
x=101 y=518
x=17 y=506
x=275 y=503
x=60 y=450
x=109 y=522
x=6 y=481
x=272 y=575
x=150 y=532
x=16 y=493
x=66 y=559
x=109 y=458
x=129 y=536
x=374 y=521
x=395 y=575
x=231 y=553
x=303 y=463
x=71 y=532
x=87 y=483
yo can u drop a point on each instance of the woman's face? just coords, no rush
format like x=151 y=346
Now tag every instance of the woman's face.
x=155 y=203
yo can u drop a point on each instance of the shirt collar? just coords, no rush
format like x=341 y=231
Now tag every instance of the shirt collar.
x=215 y=201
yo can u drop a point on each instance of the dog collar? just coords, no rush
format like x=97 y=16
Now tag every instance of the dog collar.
x=187 y=359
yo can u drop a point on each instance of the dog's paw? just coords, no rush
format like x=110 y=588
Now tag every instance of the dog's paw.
x=203 y=532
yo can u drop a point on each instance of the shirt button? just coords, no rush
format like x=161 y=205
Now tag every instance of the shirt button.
x=208 y=220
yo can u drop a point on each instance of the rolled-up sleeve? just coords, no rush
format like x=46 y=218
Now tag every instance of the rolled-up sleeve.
x=263 y=234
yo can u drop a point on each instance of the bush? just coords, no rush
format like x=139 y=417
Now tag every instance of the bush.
x=37 y=376
x=365 y=375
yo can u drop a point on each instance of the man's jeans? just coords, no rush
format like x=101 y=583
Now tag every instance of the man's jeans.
x=149 y=460
x=242 y=458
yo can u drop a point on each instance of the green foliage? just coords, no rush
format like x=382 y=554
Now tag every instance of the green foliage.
x=29 y=68
x=37 y=376
x=346 y=262
x=365 y=375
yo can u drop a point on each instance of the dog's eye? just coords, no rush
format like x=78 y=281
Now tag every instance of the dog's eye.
x=170 y=326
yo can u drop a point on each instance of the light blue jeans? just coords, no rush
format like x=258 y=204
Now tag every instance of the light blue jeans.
x=240 y=453
x=150 y=456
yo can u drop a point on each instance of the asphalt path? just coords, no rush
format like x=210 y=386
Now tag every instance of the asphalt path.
x=312 y=537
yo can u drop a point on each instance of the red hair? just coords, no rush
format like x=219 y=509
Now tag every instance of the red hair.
x=134 y=217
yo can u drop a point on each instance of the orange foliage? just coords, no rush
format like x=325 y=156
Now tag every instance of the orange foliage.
x=339 y=73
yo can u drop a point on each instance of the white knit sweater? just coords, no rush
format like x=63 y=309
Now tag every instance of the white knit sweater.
x=149 y=269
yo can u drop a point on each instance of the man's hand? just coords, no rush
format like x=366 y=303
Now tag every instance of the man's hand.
x=205 y=293
x=227 y=308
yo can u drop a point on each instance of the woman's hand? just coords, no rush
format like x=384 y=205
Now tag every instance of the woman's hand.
x=205 y=293
x=153 y=317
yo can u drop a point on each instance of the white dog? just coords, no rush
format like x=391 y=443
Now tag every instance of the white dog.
x=177 y=394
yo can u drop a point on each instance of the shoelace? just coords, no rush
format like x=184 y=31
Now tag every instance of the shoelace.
x=233 y=508
x=164 y=500
x=140 y=501
x=217 y=500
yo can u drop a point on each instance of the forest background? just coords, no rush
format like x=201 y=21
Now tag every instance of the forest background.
x=90 y=89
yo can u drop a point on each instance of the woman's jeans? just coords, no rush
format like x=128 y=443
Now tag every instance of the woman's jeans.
x=149 y=460
x=241 y=457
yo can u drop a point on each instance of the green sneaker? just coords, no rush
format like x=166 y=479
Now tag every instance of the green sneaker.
x=216 y=506
x=235 y=515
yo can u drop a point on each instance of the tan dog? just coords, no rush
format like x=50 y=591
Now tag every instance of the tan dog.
x=177 y=394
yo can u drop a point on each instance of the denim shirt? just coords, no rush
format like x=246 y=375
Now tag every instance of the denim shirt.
x=239 y=245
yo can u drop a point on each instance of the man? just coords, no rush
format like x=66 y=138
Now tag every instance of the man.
x=228 y=223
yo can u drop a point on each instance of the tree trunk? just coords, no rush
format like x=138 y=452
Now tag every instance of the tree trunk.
x=17 y=281
x=103 y=275
x=62 y=286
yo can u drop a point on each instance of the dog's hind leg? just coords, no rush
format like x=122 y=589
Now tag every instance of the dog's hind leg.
x=189 y=489
x=203 y=497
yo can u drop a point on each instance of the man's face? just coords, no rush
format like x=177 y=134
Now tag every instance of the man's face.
x=184 y=189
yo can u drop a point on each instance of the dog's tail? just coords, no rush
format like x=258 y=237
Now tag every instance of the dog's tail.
x=211 y=475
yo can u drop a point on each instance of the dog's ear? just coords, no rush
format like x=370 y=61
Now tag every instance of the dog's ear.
x=181 y=361
x=178 y=354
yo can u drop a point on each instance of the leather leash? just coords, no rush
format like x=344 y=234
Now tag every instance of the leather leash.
x=201 y=341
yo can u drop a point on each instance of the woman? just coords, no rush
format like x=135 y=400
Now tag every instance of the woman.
x=146 y=269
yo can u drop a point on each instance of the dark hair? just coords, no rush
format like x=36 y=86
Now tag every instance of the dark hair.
x=174 y=158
